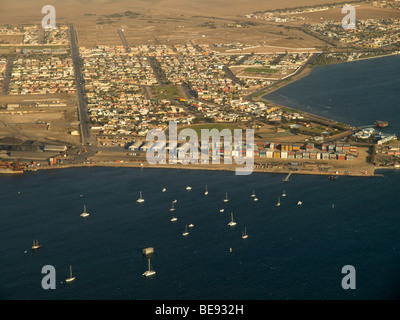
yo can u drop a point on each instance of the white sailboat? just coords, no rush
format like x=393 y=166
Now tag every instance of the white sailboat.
x=84 y=214
x=163 y=190
x=284 y=193
x=35 y=245
x=174 y=219
x=253 y=194
x=71 y=278
x=226 y=198
x=172 y=207
x=206 y=192
x=299 y=203
x=221 y=210
x=188 y=188
x=140 y=200
x=244 y=234
x=186 y=232
x=232 y=223
x=175 y=201
x=279 y=202
x=149 y=272
x=191 y=225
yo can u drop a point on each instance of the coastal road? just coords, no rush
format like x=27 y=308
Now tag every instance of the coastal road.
x=86 y=136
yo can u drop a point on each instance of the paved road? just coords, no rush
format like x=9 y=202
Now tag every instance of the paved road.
x=123 y=40
x=7 y=75
x=86 y=136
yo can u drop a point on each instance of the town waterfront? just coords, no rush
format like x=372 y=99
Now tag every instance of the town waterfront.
x=292 y=251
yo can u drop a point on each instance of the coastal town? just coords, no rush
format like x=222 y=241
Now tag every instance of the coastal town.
x=129 y=90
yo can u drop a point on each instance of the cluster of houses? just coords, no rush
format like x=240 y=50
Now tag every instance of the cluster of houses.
x=3 y=64
x=288 y=14
x=369 y=33
x=367 y=133
x=42 y=76
x=118 y=104
x=35 y=35
x=392 y=4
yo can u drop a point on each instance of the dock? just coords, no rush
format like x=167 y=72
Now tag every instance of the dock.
x=286 y=179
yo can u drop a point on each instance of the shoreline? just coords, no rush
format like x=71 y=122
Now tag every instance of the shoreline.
x=231 y=168
x=305 y=72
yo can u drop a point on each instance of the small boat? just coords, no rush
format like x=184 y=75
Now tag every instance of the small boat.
x=253 y=194
x=232 y=223
x=174 y=219
x=333 y=205
x=279 y=202
x=188 y=188
x=172 y=207
x=71 y=278
x=206 y=192
x=299 y=203
x=140 y=200
x=191 y=225
x=35 y=245
x=186 y=232
x=221 y=210
x=84 y=214
x=163 y=190
x=255 y=199
x=226 y=198
x=381 y=124
x=175 y=201
x=244 y=234
x=284 y=193
x=149 y=272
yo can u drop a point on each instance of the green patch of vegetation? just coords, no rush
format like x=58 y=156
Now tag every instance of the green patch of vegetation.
x=210 y=126
x=168 y=92
x=260 y=70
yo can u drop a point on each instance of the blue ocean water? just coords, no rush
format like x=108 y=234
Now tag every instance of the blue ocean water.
x=292 y=252
x=358 y=93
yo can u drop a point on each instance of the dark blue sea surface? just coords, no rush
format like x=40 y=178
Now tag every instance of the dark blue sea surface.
x=358 y=93
x=292 y=252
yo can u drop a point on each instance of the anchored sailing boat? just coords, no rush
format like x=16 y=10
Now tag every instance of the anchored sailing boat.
x=279 y=202
x=284 y=193
x=253 y=194
x=174 y=219
x=140 y=200
x=188 y=188
x=244 y=234
x=35 y=245
x=232 y=223
x=186 y=232
x=71 y=278
x=84 y=214
x=206 y=192
x=149 y=272
x=172 y=207
x=226 y=198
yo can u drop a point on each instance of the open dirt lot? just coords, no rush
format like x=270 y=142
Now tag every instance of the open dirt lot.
x=31 y=122
x=178 y=21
